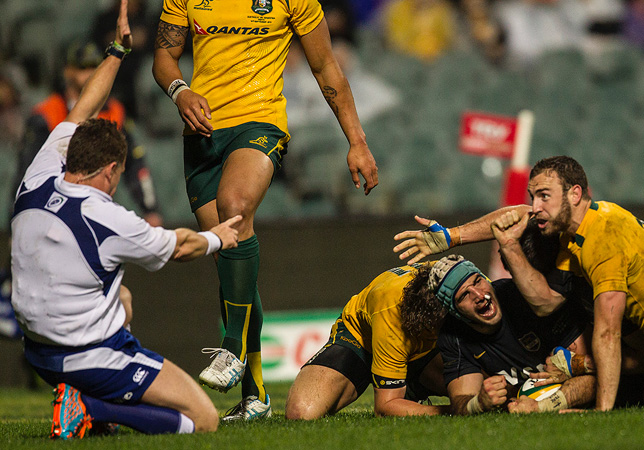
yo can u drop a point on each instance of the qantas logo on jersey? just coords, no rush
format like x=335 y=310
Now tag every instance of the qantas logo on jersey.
x=214 y=29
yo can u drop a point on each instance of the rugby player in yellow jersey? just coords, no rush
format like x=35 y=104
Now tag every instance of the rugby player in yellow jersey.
x=387 y=336
x=605 y=244
x=234 y=138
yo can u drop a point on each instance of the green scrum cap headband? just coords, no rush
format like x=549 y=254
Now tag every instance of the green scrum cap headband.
x=447 y=276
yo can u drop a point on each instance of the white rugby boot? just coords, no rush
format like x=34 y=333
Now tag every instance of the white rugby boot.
x=249 y=408
x=224 y=372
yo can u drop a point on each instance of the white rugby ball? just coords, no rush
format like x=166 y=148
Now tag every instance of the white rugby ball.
x=538 y=392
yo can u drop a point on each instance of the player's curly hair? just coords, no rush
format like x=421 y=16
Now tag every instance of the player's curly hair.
x=419 y=308
x=569 y=171
x=95 y=144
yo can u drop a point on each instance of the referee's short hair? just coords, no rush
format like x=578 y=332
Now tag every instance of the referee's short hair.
x=95 y=144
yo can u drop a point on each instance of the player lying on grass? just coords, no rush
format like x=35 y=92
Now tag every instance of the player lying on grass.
x=494 y=339
x=386 y=335
x=600 y=240
x=69 y=244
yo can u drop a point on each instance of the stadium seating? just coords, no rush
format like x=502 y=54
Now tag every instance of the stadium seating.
x=591 y=108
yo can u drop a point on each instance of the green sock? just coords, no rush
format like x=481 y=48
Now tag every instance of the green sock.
x=253 y=381
x=237 y=268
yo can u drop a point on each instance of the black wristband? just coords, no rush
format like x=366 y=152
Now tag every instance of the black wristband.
x=117 y=50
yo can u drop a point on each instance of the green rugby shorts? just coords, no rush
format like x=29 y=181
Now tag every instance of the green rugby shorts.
x=204 y=157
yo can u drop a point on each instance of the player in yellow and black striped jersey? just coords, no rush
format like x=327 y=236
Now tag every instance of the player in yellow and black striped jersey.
x=387 y=336
x=234 y=140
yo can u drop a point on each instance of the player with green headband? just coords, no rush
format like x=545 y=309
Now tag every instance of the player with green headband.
x=495 y=339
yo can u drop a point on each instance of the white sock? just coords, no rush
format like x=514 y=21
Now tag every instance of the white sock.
x=186 y=425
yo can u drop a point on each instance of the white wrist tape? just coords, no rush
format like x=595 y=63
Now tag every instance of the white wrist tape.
x=214 y=243
x=473 y=406
x=175 y=87
x=555 y=402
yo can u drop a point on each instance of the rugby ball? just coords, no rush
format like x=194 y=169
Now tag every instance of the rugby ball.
x=538 y=392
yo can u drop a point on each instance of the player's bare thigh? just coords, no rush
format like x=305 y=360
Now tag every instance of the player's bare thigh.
x=318 y=391
x=245 y=178
x=173 y=388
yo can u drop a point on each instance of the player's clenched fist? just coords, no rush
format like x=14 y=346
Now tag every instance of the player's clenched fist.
x=493 y=392
x=509 y=227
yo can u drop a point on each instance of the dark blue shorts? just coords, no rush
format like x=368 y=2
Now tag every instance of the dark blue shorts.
x=117 y=370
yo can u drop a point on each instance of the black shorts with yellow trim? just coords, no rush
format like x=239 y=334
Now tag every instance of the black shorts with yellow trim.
x=204 y=157
x=343 y=353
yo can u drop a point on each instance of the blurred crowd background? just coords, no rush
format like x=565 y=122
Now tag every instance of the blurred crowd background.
x=414 y=67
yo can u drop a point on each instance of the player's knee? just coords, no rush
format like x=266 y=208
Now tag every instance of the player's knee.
x=230 y=206
x=207 y=421
x=297 y=409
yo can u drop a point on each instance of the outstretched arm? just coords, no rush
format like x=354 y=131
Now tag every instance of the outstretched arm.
x=336 y=91
x=574 y=393
x=99 y=85
x=435 y=239
x=191 y=245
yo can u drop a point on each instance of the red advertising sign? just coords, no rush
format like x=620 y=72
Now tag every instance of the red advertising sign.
x=488 y=134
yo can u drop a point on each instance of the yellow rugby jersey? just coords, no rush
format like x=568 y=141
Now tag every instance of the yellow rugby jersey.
x=373 y=317
x=239 y=53
x=609 y=247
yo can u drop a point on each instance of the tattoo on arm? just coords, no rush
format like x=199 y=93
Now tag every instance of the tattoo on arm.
x=169 y=36
x=330 y=95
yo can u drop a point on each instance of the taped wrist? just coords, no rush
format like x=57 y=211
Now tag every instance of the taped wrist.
x=175 y=87
x=437 y=237
x=214 y=243
x=555 y=402
x=473 y=406
x=562 y=360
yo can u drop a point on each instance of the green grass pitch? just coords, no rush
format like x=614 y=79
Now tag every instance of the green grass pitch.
x=25 y=420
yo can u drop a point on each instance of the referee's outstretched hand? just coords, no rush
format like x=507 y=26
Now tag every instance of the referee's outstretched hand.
x=123 y=33
x=229 y=236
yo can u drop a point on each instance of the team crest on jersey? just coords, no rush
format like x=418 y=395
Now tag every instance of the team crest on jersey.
x=262 y=6
x=530 y=342
x=204 y=5
x=55 y=202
